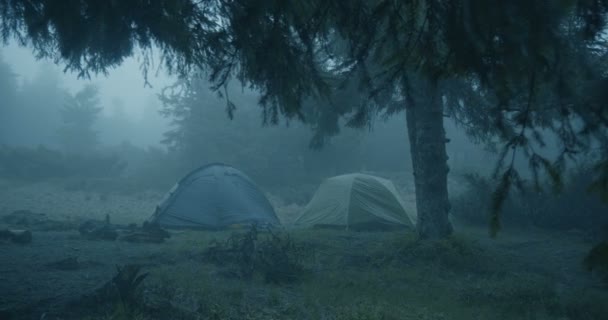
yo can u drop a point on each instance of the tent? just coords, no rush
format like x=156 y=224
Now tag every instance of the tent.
x=215 y=196
x=355 y=201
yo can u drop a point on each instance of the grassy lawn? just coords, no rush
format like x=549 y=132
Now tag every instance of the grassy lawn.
x=349 y=275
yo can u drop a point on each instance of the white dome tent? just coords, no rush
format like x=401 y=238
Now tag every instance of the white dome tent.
x=356 y=202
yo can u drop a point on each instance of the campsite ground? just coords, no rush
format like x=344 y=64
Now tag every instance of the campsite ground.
x=524 y=274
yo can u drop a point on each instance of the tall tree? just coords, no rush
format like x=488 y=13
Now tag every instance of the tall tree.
x=287 y=51
x=79 y=115
x=201 y=132
x=8 y=92
x=116 y=127
x=37 y=117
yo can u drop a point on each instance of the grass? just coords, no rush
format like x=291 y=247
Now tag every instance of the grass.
x=366 y=276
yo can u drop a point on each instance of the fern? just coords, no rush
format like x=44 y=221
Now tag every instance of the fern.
x=127 y=281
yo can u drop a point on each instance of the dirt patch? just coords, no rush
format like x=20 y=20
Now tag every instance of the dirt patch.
x=59 y=204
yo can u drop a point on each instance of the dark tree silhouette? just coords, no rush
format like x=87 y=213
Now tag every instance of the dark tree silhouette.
x=79 y=114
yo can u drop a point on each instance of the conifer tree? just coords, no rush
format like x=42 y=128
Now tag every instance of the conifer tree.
x=79 y=114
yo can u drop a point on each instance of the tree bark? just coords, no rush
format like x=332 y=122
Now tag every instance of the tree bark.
x=429 y=160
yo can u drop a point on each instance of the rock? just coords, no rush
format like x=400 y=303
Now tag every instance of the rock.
x=16 y=236
x=21 y=236
x=149 y=233
x=35 y=221
x=24 y=218
x=98 y=230
x=141 y=237
x=5 y=235
x=154 y=228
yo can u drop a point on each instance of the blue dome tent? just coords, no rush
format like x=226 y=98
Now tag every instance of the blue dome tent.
x=215 y=196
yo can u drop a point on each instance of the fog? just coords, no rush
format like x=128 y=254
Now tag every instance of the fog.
x=123 y=197
x=130 y=113
x=114 y=126
x=130 y=105
x=125 y=82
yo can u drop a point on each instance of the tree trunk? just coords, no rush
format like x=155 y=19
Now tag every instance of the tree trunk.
x=429 y=160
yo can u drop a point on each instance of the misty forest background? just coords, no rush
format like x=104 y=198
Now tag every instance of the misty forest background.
x=50 y=132
x=488 y=116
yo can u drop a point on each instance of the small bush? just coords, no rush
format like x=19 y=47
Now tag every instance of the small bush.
x=122 y=296
x=573 y=207
x=275 y=256
x=473 y=206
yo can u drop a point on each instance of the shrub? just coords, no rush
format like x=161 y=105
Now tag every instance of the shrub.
x=275 y=256
x=573 y=207
x=473 y=206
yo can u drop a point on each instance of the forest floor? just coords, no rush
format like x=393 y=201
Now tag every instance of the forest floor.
x=523 y=274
